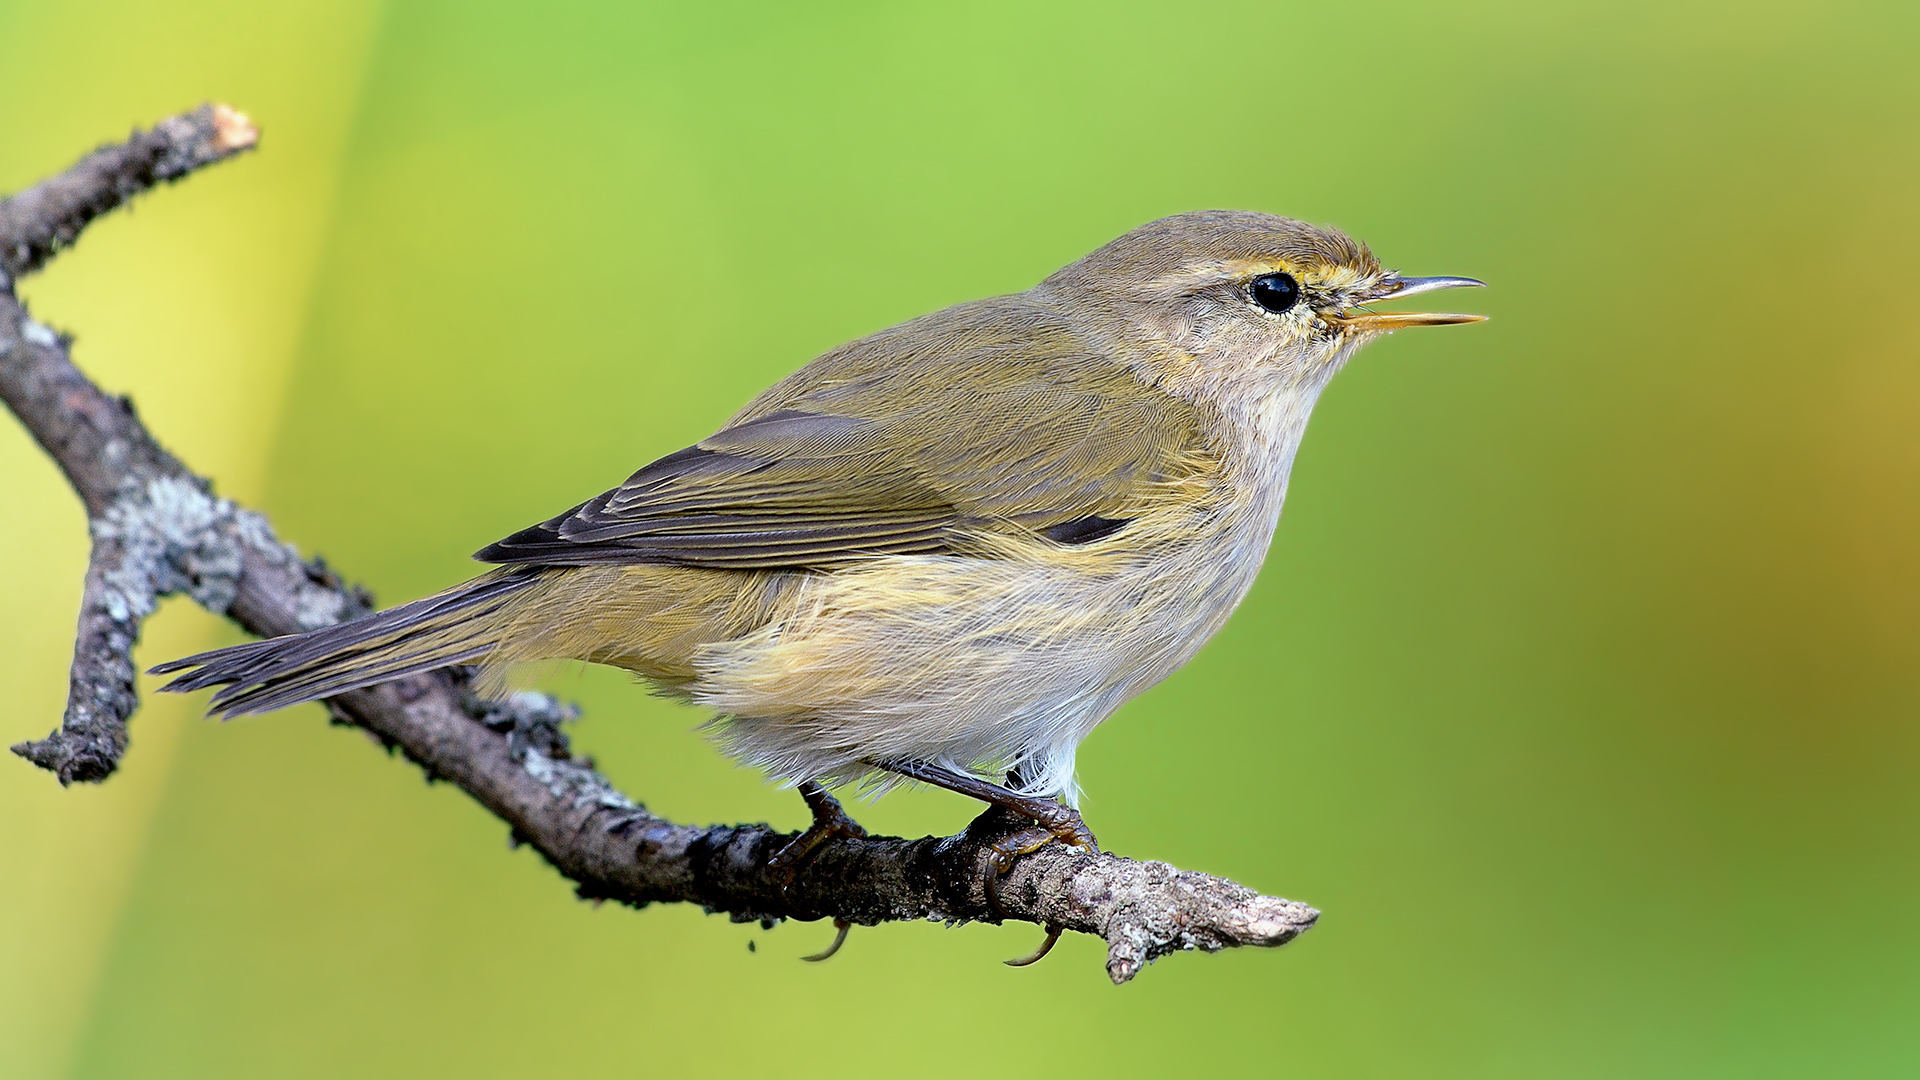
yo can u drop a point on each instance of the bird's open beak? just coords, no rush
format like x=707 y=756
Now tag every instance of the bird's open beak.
x=1394 y=288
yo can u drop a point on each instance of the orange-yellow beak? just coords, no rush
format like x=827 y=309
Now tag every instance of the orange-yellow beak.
x=1396 y=287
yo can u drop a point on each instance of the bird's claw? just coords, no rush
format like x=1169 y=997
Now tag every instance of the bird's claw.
x=840 y=926
x=1008 y=835
x=1034 y=957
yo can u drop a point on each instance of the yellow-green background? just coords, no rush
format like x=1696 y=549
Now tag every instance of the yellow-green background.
x=1582 y=690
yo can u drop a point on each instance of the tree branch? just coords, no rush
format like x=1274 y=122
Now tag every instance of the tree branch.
x=38 y=222
x=158 y=530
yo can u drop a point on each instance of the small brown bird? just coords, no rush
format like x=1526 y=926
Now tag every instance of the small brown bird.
x=940 y=553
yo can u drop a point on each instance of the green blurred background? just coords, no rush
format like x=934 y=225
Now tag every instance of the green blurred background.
x=1582 y=690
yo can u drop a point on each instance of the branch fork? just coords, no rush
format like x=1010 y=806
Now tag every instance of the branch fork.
x=158 y=531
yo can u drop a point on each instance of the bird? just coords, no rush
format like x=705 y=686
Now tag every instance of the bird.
x=942 y=553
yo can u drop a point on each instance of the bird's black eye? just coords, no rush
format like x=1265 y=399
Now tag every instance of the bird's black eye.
x=1276 y=292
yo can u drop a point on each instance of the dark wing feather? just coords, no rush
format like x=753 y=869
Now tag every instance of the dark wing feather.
x=991 y=417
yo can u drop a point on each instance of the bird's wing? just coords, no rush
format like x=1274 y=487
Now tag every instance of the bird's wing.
x=991 y=418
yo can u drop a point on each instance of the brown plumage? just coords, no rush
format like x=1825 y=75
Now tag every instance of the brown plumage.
x=962 y=541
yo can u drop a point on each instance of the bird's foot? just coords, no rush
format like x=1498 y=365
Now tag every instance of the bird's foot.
x=1009 y=834
x=1062 y=823
x=830 y=820
x=1013 y=825
x=1023 y=834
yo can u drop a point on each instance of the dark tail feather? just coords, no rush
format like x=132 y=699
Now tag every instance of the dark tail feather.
x=448 y=628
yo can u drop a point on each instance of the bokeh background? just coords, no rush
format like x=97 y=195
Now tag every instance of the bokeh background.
x=1581 y=691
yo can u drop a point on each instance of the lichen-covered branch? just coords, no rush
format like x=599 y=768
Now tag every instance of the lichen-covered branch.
x=158 y=530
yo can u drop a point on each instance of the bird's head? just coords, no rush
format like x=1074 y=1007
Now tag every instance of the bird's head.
x=1218 y=297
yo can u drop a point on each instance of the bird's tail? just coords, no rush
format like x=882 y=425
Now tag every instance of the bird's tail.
x=457 y=626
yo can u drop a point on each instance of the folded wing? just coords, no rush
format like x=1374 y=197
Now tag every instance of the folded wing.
x=990 y=418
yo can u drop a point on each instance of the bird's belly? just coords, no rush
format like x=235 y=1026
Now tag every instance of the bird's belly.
x=968 y=662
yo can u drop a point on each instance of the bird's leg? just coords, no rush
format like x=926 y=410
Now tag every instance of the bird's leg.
x=829 y=821
x=1056 y=821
